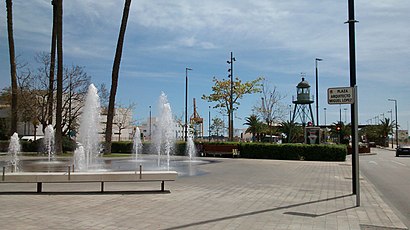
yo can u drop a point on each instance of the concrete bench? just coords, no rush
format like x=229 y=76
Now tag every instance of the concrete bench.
x=80 y=177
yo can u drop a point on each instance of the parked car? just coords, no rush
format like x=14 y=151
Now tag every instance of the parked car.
x=403 y=150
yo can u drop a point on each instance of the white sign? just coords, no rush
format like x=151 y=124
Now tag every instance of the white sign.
x=340 y=95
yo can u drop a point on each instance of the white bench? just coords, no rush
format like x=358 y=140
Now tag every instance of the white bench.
x=79 y=177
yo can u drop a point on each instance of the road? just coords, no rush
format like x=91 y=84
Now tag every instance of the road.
x=391 y=176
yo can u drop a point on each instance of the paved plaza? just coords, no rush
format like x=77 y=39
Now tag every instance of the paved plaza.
x=227 y=194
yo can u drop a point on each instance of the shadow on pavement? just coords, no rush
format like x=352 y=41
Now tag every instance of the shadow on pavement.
x=268 y=210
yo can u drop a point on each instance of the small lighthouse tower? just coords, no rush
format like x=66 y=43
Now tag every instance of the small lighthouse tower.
x=303 y=104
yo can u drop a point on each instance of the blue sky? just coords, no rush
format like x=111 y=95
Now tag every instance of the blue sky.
x=275 y=39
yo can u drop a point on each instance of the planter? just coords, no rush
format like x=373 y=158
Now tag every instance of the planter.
x=361 y=150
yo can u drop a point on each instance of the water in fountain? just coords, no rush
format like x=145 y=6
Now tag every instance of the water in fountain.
x=190 y=149
x=164 y=132
x=88 y=151
x=49 y=141
x=13 y=151
x=137 y=144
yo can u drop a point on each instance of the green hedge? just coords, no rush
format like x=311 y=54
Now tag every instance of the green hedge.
x=37 y=145
x=121 y=147
x=293 y=151
x=147 y=148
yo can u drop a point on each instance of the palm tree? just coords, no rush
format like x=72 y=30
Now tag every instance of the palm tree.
x=14 y=113
x=59 y=106
x=254 y=125
x=385 y=128
x=52 y=63
x=291 y=130
x=114 y=80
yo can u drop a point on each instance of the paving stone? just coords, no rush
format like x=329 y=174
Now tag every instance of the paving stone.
x=232 y=194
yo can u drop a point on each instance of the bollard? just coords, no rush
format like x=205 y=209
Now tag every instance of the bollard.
x=140 y=171
x=69 y=172
x=73 y=168
x=4 y=172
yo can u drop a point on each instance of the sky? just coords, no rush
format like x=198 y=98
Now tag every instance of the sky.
x=278 y=40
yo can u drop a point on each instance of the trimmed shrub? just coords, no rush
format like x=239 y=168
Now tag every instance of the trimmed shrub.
x=69 y=145
x=179 y=149
x=293 y=151
x=4 y=146
x=121 y=147
x=31 y=146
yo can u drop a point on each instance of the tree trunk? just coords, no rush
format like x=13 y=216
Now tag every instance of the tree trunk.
x=52 y=64
x=115 y=71
x=58 y=134
x=13 y=73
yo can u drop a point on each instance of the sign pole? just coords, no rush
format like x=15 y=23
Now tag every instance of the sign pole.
x=355 y=148
x=354 y=107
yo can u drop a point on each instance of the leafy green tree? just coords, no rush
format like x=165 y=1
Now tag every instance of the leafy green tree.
x=378 y=133
x=222 y=93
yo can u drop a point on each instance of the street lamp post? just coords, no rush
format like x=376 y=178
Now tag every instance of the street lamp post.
x=231 y=98
x=186 y=103
x=391 y=120
x=345 y=109
x=397 y=123
x=317 y=90
x=324 y=111
x=150 y=124
x=209 y=124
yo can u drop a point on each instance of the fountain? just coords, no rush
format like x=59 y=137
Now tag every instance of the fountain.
x=86 y=154
x=48 y=141
x=137 y=144
x=190 y=149
x=164 y=133
x=13 y=151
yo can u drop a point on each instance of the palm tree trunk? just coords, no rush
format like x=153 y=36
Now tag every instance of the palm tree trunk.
x=13 y=73
x=52 y=64
x=115 y=71
x=58 y=134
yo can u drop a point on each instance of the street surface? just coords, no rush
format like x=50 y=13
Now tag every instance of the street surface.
x=391 y=177
x=238 y=194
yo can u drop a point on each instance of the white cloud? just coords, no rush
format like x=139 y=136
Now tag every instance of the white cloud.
x=273 y=38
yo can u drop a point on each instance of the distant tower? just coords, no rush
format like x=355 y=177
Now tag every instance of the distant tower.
x=303 y=104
